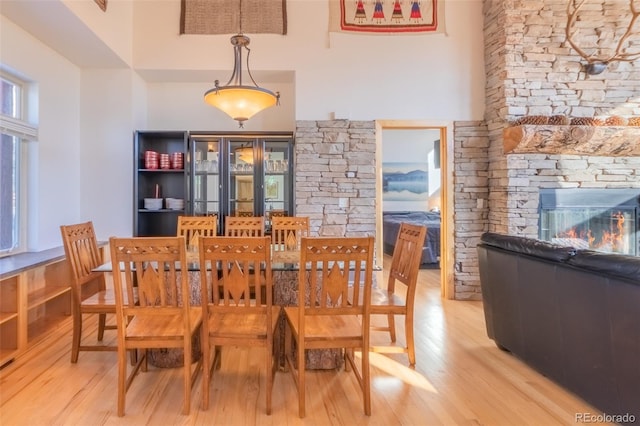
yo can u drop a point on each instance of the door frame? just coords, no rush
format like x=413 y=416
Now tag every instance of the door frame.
x=447 y=288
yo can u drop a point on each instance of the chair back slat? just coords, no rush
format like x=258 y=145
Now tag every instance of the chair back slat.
x=82 y=253
x=288 y=231
x=231 y=265
x=336 y=268
x=151 y=264
x=194 y=227
x=252 y=226
x=407 y=254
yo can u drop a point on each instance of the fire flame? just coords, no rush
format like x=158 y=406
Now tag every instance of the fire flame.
x=609 y=240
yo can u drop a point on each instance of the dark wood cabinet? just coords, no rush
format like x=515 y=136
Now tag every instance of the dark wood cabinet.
x=231 y=173
x=160 y=182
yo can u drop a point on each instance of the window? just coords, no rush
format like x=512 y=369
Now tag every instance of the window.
x=15 y=131
x=9 y=191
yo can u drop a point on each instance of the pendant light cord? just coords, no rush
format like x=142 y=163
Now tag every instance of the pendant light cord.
x=240 y=16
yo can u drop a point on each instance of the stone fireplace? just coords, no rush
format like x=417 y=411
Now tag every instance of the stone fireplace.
x=531 y=71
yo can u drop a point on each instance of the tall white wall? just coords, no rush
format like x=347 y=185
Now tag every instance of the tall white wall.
x=106 y=150
x=56 y=174
x=88 y=115
x=359 y=77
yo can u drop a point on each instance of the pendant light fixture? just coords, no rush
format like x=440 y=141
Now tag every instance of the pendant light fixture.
x=239 y=101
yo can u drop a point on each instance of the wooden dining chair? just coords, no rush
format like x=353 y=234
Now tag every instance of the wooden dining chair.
x=164 y=317
x=234 y=315
x=251 y=226
x=90 y=294
x=405 y=265
x=287 y=232
x=325 y=316
x=194 y=227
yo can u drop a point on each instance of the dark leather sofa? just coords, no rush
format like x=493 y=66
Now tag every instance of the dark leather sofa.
x=573 y=315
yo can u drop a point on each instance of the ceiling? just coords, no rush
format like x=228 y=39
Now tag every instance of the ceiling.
x=56 y=26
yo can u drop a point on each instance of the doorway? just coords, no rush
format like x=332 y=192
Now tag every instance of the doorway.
x=433 y=130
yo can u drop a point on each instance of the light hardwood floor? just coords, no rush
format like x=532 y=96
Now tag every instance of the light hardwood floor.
x=461 y=378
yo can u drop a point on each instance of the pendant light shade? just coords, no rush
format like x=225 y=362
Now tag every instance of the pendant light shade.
x=238 y=101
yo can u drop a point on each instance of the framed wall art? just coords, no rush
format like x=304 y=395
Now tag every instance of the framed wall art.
x=405 y=181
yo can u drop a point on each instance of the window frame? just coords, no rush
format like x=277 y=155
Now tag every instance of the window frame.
x=17 y=126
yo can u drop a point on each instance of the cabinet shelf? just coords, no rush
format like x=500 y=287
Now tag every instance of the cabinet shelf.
x=46 y=324
x=7 y=355
x=163 y=183
x=43 y=295
x=7 y=316
x=160 y=211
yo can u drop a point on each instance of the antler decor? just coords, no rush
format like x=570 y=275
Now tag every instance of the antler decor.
x=597 y=64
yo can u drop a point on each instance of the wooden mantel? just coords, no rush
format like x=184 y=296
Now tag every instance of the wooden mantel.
x=607 y=141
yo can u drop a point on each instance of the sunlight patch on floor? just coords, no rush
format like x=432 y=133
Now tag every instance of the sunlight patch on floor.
x=398 y=373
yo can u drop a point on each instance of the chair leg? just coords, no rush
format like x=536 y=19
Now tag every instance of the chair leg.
x=411 y=348
x=392 y=326
x=287 y=347
x=133 y=355
x=77 y=336
x=122 y=379
x=102 y=321
x=366 y=381
x=347 y=352
x=269 y=371
x=186 y=406
x=206 y=372
x=217 y=357
x=301 y=380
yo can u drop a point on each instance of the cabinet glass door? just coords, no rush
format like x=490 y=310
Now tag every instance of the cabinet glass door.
x=277 y=179
x=242 y=191
x=206 y=177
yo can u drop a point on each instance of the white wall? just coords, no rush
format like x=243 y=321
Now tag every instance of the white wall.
x=113 y=27
x=106 y=150
x=57 y=176
x=181 y=106
x=88 y=115
x=358 y=77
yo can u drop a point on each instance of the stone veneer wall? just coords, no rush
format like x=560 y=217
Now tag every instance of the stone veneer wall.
x=470 y=211
x=325 y=151
x=531 y=71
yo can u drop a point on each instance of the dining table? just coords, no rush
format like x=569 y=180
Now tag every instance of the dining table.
x=285 y=268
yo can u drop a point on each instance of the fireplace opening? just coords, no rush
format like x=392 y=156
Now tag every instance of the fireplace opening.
x=605 y=220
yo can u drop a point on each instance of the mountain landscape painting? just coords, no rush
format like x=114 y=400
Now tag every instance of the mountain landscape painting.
x=405 y=182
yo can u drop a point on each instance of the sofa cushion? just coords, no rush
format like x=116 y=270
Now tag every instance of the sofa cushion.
x=530 y=246
x=620 y=265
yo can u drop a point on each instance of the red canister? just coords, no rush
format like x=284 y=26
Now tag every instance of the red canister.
x=150 y=160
